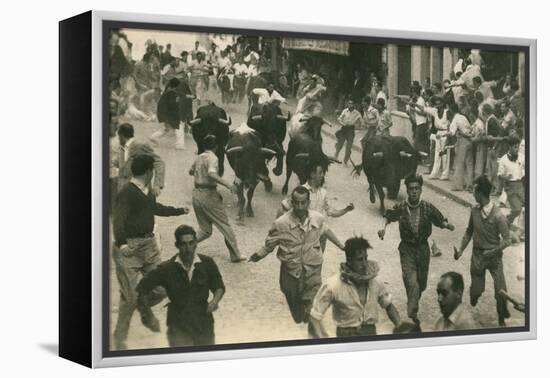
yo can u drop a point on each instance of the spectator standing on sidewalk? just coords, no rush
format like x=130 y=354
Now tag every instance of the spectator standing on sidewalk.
x=422 y=133
x=440 y=114
x=461 y=128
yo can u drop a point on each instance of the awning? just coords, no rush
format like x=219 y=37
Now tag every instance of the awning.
x=321 y=45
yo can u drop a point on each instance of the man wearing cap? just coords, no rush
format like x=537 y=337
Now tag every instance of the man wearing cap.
x=208 y=203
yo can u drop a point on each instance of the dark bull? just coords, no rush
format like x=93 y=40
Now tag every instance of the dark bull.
x=247 y=158
x=386 y=160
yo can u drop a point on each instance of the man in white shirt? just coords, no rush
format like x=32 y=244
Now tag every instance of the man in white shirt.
x=268 y=94
x=350 y=119
x=464 y=151
x=422 y=133
x=354 y=294
x=511 y=170
x=318 y=196
x=484 y=87
x=454 y=315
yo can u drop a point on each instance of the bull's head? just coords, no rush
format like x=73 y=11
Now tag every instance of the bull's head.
x=250 y=163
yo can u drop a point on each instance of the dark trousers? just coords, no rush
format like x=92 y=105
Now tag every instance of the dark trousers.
x=299 y=292
x=345 y=135
x=362 y=330
x=422 y=138
x=479 y=265
x=415 y=262
x=181 y=337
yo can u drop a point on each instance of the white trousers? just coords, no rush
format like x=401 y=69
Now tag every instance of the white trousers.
x=440 y=162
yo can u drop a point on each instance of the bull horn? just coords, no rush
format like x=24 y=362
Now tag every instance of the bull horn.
x=256 y=117
x=268 y=151
x=422 y=153
x=223 y=121
x=279 y=116
x=195 y=121
x=304 y=155
x=404 y=154
x=378 y=154
x=234 y=150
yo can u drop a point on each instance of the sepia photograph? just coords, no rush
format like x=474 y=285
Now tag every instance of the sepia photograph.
x=272 y=188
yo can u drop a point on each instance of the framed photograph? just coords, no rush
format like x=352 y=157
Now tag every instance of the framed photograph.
x=260 y=189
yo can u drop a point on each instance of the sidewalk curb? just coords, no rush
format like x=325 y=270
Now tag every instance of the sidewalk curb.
x=450 y=195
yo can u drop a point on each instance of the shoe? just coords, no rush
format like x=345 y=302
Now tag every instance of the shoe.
x=433 y=177
x=238 y=260
x=444 y=178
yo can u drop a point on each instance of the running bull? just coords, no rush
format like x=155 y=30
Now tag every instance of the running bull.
x=247 y=157
x=211 y=119
x=305 y=145
x=268 y=120
x=386 y=160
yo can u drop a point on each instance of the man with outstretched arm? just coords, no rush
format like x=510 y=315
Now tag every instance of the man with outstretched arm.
x=297 y=234
x=415 y=217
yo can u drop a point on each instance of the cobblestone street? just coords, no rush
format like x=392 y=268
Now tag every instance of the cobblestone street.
x=253 y=308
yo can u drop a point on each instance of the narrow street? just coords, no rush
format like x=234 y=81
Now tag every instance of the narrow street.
x=253 y=308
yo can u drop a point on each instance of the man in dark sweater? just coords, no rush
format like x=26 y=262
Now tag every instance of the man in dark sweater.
x=415 y=217
x=188 y=279
x=135 y=251
x=489 y=229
